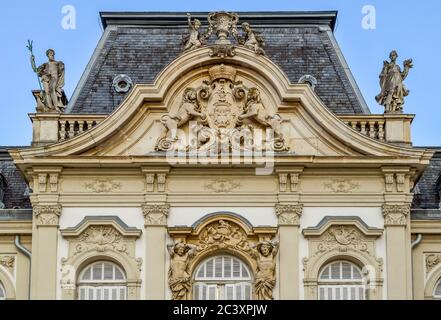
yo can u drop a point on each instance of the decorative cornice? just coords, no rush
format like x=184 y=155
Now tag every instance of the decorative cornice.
x=155 y=214
x=289 y=214
x=395 y=215
x=47 y=215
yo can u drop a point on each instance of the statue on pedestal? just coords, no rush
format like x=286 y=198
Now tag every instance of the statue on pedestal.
x=393 y=90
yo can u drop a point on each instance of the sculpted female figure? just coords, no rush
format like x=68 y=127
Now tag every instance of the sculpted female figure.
x=265 y=254
x=179 y=278
x=393 y=90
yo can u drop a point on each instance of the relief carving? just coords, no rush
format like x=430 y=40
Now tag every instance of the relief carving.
x=155 y=215
x=222 y=185
x=225 y=116
x=47 y=215
x=341 y=185
x=432 y=260
x=289 y=214
x=102 y=185
x=395 y=215
x=342 y=238
x=8 y=262
x=100 y=239
x=223 y=234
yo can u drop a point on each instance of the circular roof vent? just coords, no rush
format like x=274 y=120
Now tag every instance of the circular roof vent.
x=307 y=78
x=122 y=83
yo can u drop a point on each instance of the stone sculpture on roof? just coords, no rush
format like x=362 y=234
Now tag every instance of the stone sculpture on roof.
x=393 y=90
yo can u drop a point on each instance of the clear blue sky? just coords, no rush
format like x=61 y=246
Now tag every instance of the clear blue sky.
x=410 y=27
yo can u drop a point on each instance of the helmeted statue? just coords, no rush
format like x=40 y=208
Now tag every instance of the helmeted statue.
x=179 y=278
x=265 y=254
x=393 y=90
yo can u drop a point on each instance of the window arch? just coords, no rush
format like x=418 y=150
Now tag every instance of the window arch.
x=437 y=291
x=222 y=278
x=341 y=280
x=102 y=280
x=2 y=292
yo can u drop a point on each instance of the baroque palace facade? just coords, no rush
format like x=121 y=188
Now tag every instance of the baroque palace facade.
x=219 y=156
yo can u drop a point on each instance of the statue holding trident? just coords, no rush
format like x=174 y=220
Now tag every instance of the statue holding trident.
x=51 y=74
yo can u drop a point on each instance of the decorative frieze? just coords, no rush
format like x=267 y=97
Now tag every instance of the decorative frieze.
x=289 y=214
x=432 y=260
x=395 y=215
x=155 y=214
x=47 y=215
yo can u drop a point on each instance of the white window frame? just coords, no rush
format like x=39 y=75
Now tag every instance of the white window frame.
x=102 y=289
x=342 y=288
x=222 y=287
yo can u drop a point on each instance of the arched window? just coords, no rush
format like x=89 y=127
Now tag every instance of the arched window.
x=437 y=291
x=2 y=292
x=222 y=278
x=341 y=280
x=102 y=281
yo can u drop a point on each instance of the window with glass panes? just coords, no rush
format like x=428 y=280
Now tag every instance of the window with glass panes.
x=341 y=280
x=222 y=278
x=102 y=281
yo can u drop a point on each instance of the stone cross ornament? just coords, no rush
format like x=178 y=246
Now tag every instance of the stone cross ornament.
x=393 y=90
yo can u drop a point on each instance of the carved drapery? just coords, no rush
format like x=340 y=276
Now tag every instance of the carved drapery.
x=155 y=214
x=47 y=215
x=107 y=239
x=223 y=234
x=395 y=215
x=289 y=214
x=346 y=240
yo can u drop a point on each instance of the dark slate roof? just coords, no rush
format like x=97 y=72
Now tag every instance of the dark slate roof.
x=426 y=190
x=142 y=44
x=16 y=193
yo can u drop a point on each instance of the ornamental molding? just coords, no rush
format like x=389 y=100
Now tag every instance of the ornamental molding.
x=343 y=238
x=155 y=214
x=289 y=214
x=431 y=261
x=222 y=185
x=102 y=185
x=47 y=215
x=341 y=185
x=395 y=215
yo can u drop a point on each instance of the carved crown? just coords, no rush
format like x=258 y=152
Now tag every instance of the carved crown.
x=222 y=72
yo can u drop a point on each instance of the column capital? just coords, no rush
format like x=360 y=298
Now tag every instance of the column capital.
x=47 y=215
x=155 y=214
x=289 y=214
x=395 y=214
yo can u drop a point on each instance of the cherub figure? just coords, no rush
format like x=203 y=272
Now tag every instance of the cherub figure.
x=393 y=90
x=252 y=39
x=193 y=40
x=189 y=108
x=179 y=278
x=265 y=255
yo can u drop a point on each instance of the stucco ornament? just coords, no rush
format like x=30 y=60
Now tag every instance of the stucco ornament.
x=101 y=239
x=223 y=234
x=432 y=260
x=251 y=39
x=179 y=278
x=265 y=255
x=194 y=39
x=223 y=24
x=224 y=115
x=47 y=215
x=342 y=238
x=393 y=90
x=51 y=74
x=395 y=215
